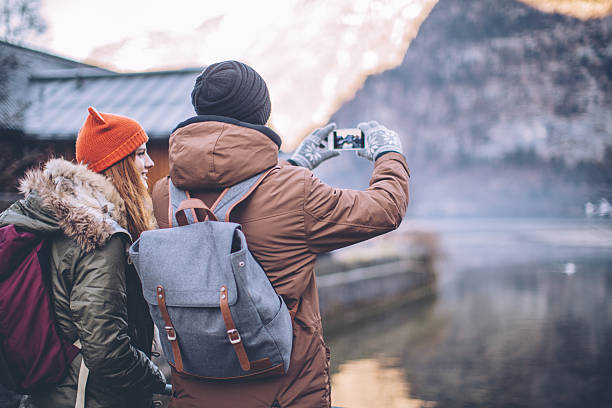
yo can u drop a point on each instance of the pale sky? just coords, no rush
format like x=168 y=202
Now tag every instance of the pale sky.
x=313 y=54
x=76 y=27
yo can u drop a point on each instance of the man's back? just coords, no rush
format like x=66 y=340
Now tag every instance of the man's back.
x=287 y=220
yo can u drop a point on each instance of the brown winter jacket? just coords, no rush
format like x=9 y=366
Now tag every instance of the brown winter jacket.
x=290 y=218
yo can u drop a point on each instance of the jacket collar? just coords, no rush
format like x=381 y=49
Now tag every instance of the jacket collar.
x=223 y=119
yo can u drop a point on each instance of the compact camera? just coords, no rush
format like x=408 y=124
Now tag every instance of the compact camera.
x=346 y=139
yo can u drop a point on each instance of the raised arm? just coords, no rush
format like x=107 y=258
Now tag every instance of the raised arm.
x=337 y=218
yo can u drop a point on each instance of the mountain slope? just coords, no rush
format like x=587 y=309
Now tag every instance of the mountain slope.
x=496 y=103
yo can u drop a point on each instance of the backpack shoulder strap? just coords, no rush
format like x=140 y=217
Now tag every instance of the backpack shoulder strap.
x=175 y=197
x=234 y=195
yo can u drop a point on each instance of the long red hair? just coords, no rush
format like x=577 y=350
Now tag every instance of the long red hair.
x=131 y=188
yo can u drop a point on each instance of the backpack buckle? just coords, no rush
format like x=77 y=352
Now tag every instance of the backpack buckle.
x=234 y=336
x=170 y=333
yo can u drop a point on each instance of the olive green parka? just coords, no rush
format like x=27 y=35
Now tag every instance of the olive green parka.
x=96 y=295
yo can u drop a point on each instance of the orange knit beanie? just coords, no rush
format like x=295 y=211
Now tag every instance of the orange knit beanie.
x=105 y=139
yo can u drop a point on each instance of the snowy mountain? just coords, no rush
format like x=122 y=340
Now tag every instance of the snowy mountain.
x=486 y=79
x=497 y=103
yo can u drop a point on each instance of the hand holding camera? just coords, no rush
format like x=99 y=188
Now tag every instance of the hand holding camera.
x=369 y=139
x=313 y=150
x=379 y=140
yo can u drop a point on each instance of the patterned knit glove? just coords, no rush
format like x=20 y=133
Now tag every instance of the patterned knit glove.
x=379 y=140
x=313 y=150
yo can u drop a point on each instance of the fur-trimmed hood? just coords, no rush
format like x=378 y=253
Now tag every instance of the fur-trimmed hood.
x=85 y=205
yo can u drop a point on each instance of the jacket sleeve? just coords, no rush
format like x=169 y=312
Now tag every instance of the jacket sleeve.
x=335 y=218
x=98 y=302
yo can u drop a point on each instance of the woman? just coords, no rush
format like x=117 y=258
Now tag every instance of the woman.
x=92 y=211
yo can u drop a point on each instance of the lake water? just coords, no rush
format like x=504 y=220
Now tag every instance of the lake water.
x=522 y=317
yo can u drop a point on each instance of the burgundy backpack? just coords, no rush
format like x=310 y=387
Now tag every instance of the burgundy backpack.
x=32 y=354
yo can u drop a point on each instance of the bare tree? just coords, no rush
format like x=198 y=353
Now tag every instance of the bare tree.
x=20 y=19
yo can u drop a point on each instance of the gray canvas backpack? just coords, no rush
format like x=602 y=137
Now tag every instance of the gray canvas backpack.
x=221 y=317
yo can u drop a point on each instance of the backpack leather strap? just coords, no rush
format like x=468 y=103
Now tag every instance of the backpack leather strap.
x=170 y=332
x=199 y=209
x=232 y=333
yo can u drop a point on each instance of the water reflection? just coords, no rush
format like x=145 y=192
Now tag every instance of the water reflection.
x=367 y=383
x=503 y=333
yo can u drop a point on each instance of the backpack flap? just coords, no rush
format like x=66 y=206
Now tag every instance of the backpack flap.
x=197 y=270
x=180 y=259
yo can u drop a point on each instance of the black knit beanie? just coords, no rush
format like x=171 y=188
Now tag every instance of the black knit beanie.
x=234 y=90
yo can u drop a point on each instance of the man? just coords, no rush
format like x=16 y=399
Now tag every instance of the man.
x=289 y=218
